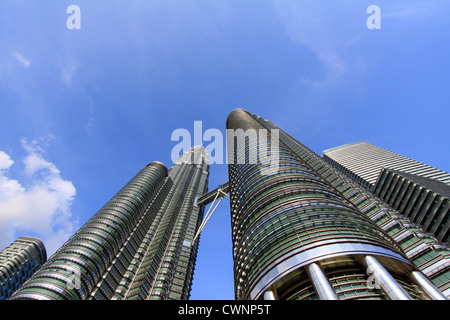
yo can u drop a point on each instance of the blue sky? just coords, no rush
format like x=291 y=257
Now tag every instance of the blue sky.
x=82 y=111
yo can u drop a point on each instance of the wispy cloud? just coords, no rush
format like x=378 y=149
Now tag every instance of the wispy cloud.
x=25 y=62
x=321 y=29
x=89 y=125
x=39 y=205
x=336 y=32
x=414 y=10
x=68 y=72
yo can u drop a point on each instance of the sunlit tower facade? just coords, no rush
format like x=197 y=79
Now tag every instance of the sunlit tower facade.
x=137 y=246
x=18 y=262
x=296 y=235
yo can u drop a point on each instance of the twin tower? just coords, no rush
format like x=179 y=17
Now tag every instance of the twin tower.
x=302 y=229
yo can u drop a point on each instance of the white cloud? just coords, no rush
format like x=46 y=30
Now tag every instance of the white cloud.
x=25 y=62
x=5 y=161
x=37 y=206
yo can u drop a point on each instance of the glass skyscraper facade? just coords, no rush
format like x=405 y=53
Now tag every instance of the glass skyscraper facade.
x=137 y=245
x=302 y=230
x=18 y=262
x=363 y=162
x=418 y=191
x=424 y=201
x=164 y=266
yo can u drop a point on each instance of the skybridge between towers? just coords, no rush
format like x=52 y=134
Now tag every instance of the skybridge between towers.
x=212 y=196
x=209 y=197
